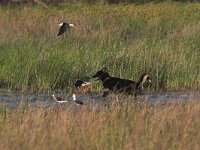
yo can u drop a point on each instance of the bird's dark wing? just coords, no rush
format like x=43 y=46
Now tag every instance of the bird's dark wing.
x=79 y=102
x=63 y=28
x=78 y=83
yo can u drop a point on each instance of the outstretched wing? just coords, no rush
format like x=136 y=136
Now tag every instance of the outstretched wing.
x=63 y=28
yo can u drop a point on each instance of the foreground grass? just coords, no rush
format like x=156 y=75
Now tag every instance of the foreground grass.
x=125 y=126
x=159 y=39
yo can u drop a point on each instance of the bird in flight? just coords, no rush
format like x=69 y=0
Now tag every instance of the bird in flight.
x=64 y=26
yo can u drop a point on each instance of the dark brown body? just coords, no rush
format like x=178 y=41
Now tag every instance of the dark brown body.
x=115 y=84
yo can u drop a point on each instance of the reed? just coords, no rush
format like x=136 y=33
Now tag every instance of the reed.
x=159 y=39
x=174 y=125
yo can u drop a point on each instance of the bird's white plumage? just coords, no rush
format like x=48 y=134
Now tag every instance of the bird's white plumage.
x=86 y=83
x=71 y=25
x=60 y=24
x=77 y=102
x=55 y=98
x=74 y=97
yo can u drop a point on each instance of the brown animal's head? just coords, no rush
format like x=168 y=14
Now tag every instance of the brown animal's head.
x=145 y=78
x=102 y=74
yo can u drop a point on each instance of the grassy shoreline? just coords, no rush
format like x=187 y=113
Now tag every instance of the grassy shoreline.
x=125 y=126
x=159 y=39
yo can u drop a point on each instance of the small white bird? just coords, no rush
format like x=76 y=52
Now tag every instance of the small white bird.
x=59 y=99
x=64 y=26
x=77 y=102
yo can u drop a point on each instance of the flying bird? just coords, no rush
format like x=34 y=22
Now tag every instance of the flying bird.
x=64 y=26
x=77 y=102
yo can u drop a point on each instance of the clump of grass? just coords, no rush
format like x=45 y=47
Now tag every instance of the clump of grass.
x=129 y=125
x=159 y=39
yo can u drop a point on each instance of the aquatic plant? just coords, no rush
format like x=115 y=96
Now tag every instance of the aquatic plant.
x=160 y=39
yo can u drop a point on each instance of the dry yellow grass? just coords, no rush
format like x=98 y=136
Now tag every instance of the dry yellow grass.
x=129 y=125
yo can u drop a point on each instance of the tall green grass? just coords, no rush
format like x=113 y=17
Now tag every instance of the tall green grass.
x=159 y=39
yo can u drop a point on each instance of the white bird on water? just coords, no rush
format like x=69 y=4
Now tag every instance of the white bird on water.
x=59 y=99
x=77 y=102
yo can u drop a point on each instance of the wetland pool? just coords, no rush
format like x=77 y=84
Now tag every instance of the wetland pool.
x=13 y=99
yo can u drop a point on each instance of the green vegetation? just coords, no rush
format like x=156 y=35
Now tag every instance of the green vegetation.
x=172 y=126
x=160 y=39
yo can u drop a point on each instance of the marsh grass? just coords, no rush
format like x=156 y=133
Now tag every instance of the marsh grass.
x=173 y=125
x=160 y=39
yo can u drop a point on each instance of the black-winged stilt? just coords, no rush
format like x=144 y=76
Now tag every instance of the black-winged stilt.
x=77 y=102
x=64 y=26
x=59 y=99
x=81 y=83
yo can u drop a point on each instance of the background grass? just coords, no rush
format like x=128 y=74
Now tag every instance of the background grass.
x=160 y=39
x=129 y=125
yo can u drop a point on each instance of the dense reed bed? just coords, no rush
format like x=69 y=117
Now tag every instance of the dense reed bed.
x=129 y=125
x=160 y=39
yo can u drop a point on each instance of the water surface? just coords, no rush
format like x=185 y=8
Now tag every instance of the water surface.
x=14 y=99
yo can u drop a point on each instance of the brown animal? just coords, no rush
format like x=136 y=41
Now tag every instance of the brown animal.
x=118 y=85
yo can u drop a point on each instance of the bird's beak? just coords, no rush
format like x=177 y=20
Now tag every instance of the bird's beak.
x=74 y=27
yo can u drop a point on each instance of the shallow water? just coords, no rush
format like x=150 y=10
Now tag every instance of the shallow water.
x=14 y=99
